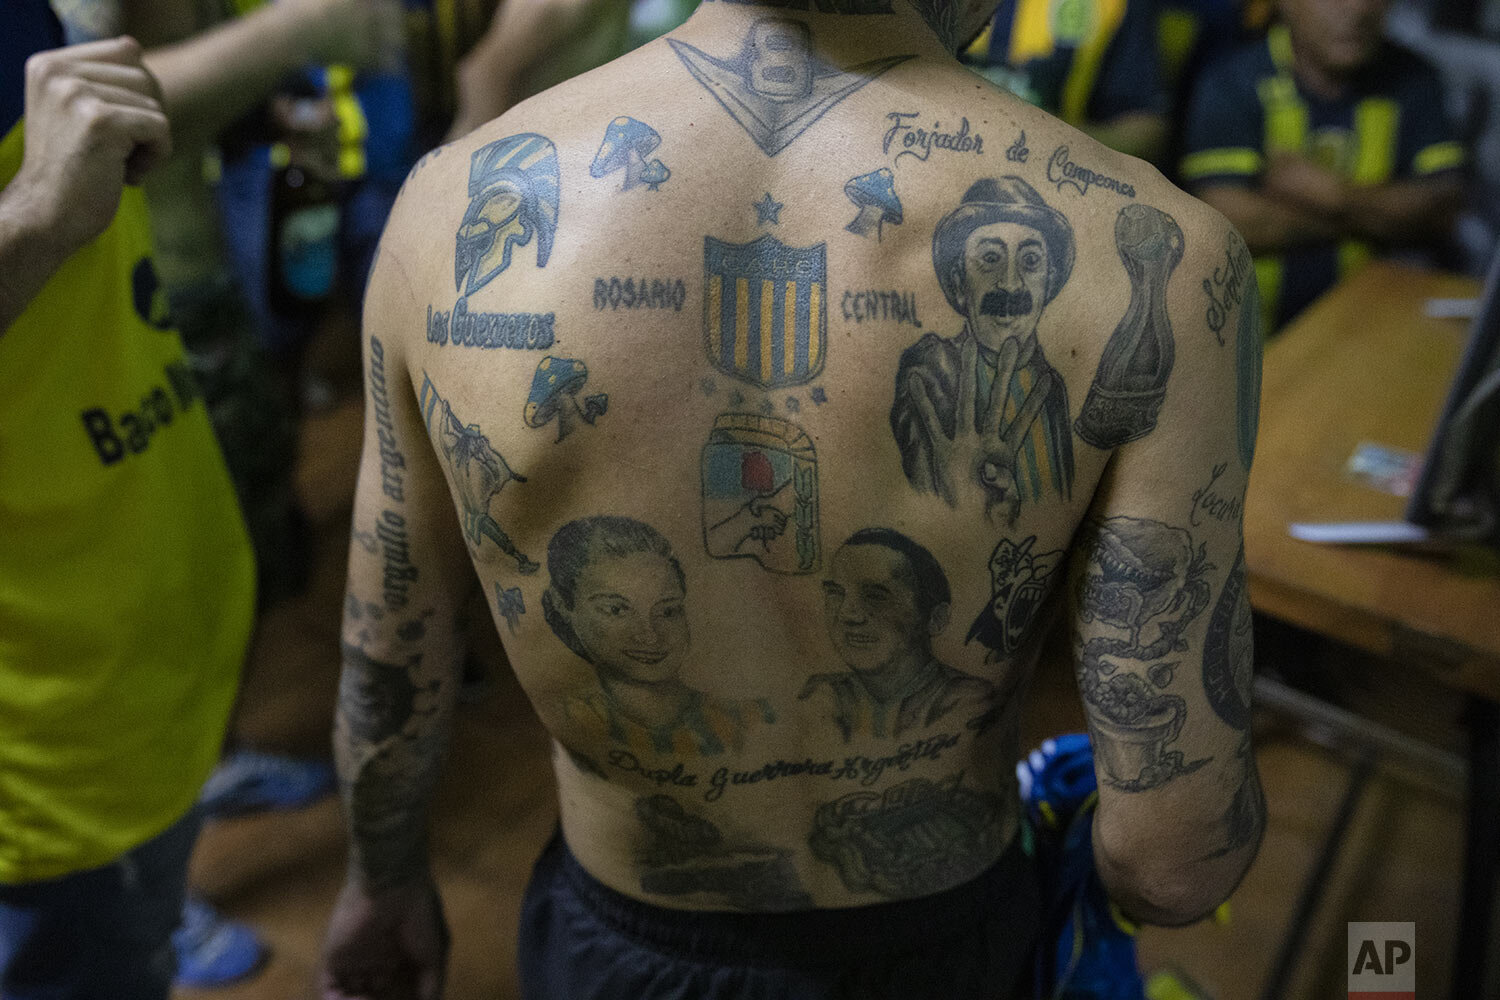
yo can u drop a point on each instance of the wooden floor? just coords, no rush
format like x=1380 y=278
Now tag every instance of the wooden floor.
x=280 y=871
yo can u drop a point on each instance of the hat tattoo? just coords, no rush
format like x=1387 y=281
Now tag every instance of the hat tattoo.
x=981 y=417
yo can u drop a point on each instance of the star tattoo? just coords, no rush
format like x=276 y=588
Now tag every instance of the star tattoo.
x=767 y=210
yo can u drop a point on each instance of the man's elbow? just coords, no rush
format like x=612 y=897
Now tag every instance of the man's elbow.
x=1163 y=887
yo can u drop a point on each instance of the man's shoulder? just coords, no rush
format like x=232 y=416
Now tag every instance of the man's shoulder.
x=1095 y=186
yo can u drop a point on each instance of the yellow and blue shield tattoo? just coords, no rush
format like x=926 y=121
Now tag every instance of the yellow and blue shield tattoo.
x=765 y=310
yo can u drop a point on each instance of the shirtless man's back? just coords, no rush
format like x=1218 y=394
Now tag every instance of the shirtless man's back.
x=784 y=379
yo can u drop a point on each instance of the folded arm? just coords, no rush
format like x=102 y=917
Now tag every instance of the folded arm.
x=1295 y=202
x=1268 y=224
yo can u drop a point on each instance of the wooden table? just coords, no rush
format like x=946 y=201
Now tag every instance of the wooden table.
x=1365 y=364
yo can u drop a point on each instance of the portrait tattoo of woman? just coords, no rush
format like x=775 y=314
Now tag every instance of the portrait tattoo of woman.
x=616 y=598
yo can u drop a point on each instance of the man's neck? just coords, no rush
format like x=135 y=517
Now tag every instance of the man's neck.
x=841 y=40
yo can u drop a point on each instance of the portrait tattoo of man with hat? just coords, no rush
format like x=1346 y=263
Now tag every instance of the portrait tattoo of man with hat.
x=1001 y=256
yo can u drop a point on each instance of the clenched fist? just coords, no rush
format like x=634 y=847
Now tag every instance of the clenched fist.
x=94 y=123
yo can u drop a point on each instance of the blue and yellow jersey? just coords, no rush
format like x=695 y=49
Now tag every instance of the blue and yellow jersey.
x=1390 y=126
x=126 y=579
x=1192 y=33
x=1082 y=60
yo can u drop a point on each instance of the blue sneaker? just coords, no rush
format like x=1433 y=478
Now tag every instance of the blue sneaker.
x=211 y=950
x=251 y=781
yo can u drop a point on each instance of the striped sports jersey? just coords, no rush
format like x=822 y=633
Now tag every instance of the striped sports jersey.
x=1082 y=60
x=1389 y=125
x=126 y=580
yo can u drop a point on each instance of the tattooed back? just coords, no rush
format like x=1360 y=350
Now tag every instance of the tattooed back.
x=771 y=373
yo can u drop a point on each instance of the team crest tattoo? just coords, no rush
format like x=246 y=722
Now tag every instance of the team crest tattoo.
x=765 y=310
x=1019 y=585
x=776 y=86
x=477 y=470
x=760 y=493
x=555 y=388
x=513 y=192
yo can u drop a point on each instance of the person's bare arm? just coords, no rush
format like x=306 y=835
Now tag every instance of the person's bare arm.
x=521 y=33
x=1160 y=612
x=93 y=125
x=210 y=79
x=408 y=579
x=1268 y=224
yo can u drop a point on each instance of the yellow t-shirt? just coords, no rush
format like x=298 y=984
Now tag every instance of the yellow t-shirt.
x=126 y=577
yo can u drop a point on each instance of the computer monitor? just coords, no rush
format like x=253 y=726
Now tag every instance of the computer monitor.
x=1457 y=495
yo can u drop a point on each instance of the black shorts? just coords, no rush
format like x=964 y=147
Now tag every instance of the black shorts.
x=581 y=940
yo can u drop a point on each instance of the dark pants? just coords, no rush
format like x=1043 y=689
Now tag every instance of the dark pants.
x=101 y=934
x=582 y=940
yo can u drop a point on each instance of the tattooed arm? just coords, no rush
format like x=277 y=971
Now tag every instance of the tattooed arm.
x=408 y=576
x=1161 y=618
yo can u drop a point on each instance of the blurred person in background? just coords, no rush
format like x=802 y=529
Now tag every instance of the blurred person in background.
x=306 y=178
x=210 y=73
x=1093 y=63
x=126 y=575
x=1190 y=36
x=532 y=45
x=1324 y=144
